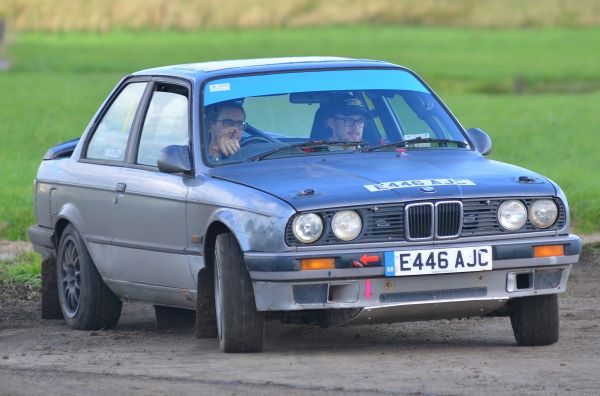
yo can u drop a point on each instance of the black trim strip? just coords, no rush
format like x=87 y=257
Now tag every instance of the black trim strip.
x=141 y=246
x=112 y=190
x=283 y=263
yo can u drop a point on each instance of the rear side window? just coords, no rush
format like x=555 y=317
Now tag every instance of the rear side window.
x=166 y=122
x=110 y=139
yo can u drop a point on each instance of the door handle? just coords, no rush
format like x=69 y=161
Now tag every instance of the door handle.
x=121 y=187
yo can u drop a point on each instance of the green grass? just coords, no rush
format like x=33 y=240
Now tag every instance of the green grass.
x=473 y=56
x=58 y=81
x=550 y=134
x=38 y=110
x=25 y=268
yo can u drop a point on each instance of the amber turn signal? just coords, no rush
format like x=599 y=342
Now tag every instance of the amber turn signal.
x=548 y=250
x=317 y=264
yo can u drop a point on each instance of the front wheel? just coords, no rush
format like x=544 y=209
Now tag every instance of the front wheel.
x=86 y=302
x=240 y=327
x=535 y=320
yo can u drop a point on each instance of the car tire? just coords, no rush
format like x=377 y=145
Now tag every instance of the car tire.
x=535 y=320
x=240 y=327
x=50 y=303
x=206 y=318
x=86 y=302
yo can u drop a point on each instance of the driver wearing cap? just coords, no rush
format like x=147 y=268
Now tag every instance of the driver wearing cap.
x=347 y=119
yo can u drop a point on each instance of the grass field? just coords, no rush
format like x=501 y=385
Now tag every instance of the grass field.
x=536 y=92
x=25 y=269
x=192 y=15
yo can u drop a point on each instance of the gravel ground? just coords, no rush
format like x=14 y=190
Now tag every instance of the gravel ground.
x=474 y=356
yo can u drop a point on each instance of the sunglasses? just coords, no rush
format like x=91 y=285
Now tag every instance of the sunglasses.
x=229 y=123
x=351 y=122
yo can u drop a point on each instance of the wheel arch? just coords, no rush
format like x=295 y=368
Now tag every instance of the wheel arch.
x=59 y=228
x=68 y=214
x=205 y=297
x=210 y=239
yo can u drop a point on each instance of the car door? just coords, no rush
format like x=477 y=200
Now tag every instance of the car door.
x=98 y=170
x=150 y=218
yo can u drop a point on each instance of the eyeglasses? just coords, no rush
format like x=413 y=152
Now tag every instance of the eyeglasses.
x=351 y=122
x=229 y=123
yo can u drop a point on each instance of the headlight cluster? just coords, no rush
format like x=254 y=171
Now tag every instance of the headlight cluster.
x=307 y=227
x=346 y=225
x=513 y=214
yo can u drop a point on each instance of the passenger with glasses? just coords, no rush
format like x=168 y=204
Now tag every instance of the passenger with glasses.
x=225 y=123
x=346 y=119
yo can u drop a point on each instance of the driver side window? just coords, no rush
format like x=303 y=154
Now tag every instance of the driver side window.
x=166 y=123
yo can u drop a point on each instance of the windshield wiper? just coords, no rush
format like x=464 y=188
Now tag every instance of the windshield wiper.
x=308 y=144
x=459 y=143
x=403 y=143
x=394 y=144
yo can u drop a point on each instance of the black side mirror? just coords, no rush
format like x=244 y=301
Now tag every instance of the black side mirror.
x=481 y=140
x=174 y=159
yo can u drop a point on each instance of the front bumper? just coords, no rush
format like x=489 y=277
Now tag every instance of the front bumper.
x=377 y=298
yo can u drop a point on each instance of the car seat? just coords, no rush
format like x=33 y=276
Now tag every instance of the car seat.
x=319 y=130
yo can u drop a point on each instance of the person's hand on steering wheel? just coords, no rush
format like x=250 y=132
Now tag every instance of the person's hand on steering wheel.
x=226 y=143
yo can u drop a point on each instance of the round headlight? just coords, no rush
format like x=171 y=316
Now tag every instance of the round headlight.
x=346 y=225
x=512 y=215
x=543 y=213
x=307 y=227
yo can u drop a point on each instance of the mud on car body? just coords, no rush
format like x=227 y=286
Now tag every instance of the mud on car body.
x=410 y=221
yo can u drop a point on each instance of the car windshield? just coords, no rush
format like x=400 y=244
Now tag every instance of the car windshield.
x=259 y=117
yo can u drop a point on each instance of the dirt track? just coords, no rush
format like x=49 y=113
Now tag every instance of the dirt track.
x=441 y=357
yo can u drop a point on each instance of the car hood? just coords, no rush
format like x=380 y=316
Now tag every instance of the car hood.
x=351 y=179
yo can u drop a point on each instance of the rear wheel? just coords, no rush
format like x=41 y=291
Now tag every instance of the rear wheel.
x=50 y=300
x=86 y=302
x=240 y=327
x=535 y=320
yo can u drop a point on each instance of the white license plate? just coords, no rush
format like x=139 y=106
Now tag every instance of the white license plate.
x=438 y=261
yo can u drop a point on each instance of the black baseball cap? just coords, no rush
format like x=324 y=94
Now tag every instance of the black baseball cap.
x=350 y=106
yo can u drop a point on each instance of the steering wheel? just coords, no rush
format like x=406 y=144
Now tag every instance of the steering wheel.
x=254 y=140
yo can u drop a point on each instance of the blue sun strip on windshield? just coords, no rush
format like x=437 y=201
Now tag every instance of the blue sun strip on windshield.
x=342 y=80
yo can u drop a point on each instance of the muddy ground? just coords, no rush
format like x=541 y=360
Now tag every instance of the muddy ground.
x=474 y=356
